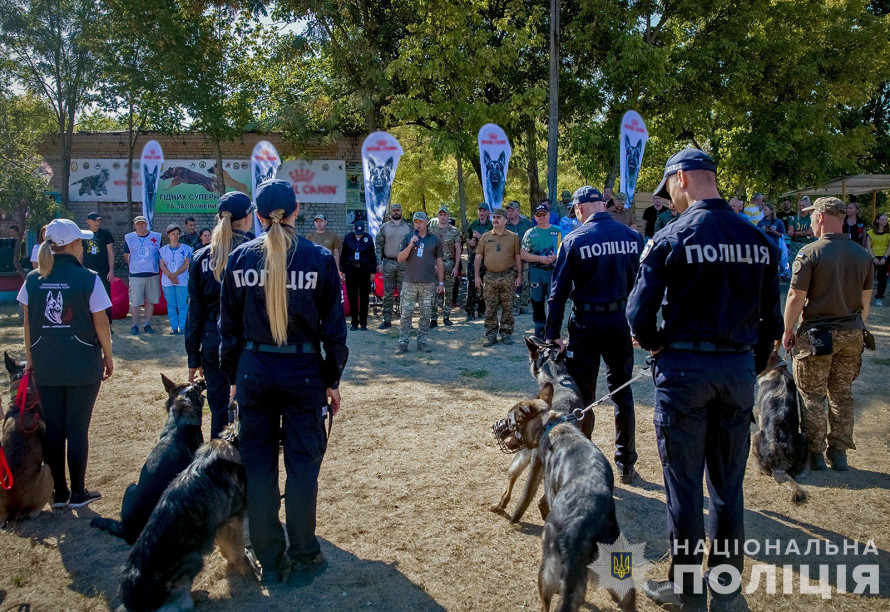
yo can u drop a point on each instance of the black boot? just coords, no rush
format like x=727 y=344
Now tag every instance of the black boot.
x=837 y=458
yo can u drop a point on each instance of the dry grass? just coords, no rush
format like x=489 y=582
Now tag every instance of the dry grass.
x=405 y=487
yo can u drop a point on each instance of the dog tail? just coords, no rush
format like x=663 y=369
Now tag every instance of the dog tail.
x=798 y=493
x=110 y=525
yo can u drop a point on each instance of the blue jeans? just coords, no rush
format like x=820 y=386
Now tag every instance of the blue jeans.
x=177 y=304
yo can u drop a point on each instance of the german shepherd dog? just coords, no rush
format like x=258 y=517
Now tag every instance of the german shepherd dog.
x=578 y=485
x=633 y=153
x=379 y=183
x=779 y=447
x=562 y=395
x=229 y=180
x=22 y=442
x=174 y=451
x=495 y=171
x=181 y=174
x=206 y=502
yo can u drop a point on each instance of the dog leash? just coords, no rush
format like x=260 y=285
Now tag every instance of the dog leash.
x=6 y=480
x=21 y=400
x=578 y=413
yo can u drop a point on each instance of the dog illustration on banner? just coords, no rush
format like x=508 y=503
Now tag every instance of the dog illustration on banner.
x=151 y=189
x=264 y=176
x=93 y=185
x=379 y=184
x=54 y=306
x=181 y=174
x=633 y=155
x=494 y=186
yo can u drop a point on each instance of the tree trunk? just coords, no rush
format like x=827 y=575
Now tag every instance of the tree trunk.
x=461 y=193
x=535 y=193
x=220 y=179
x=553 y=127
x=613 y=174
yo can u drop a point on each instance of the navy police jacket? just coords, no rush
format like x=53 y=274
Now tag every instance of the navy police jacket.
x=366 y=258
x=596 y=265
x=203 y=310
x=315 y=306
x=715 y=278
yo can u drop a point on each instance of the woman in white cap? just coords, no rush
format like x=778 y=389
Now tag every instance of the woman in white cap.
x=65 y=315
x=175 y=258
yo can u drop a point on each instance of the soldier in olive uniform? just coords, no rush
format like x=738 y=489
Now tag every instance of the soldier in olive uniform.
x=475 y=303
x=831 y=287
x=449 y=236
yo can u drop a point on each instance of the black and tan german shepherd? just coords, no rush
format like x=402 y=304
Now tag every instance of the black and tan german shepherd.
x=203 y=505
x=174 y=451
x=779 y=447
x=562 y=395
x=22 y=443
x=578 y=486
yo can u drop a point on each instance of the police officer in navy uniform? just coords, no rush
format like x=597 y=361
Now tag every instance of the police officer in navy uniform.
x=201 y=332
x=284 y=347
x=358 y=261
x=596 y=267
x=714 y=277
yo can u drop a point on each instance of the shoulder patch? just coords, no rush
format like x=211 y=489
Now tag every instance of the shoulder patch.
x=797 y=265
x=646 y=249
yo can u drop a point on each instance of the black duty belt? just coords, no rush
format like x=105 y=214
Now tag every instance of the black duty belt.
x=708 y=347
x=610 y=307
x=390 y=258
x=304 y=348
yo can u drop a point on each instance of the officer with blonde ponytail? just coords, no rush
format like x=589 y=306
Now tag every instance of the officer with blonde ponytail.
x=68 y=348
x=201 y=332
x=284 y=347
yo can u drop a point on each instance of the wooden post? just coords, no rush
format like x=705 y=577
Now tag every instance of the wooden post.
x=874 y=203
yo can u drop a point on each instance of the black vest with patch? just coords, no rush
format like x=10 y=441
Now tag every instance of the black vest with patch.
x=64 y=346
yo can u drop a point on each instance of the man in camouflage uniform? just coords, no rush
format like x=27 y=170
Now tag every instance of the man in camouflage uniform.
x=831 y=287
x=475 y=303
x=449 y=236
x=421 y=252
x=499 y=251
x=519 y=224
x=389 y=237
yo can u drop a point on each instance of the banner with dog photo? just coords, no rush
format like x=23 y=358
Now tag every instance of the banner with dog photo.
x=494 y=153
x=102 y=180
x=264 y=164
x=191 y=185
x=633 y=142
x=150 y=164
x=381 y=153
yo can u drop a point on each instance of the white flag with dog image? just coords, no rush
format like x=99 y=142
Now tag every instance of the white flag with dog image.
x=494 y=153
x=633 y=142
x=264 y=164
x=150 y=167
x=381 y=153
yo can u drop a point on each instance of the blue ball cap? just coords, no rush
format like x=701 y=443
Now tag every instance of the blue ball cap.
x=275 y=194
x=236 y=203
x=359 y=226
x=586 y=194
x=687 y=159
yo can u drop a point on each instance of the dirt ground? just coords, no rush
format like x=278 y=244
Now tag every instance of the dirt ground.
x=405 y=487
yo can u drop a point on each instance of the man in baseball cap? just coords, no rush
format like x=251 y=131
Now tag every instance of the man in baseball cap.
x=98 y=253
x=687 y=160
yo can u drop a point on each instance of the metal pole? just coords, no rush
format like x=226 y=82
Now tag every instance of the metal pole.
x=553 y=127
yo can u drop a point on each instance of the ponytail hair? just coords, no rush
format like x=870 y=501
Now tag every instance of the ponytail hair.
x=45 y=259
x=277 y=242
x=221 y=245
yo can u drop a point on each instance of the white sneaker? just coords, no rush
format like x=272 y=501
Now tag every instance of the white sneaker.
x=879 y=302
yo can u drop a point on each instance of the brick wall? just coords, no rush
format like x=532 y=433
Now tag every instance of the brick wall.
x=118 y=217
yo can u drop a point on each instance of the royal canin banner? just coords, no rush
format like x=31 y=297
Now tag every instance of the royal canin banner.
x=494 y=153
x=264 y=163
x=381 y=153
x=633 y=142
x=150 y=168
x=322 y=181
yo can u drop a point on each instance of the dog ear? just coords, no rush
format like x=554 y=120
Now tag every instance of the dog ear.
x=169 y=385
x=11 y=365
x=546 y=394
x=532 y=347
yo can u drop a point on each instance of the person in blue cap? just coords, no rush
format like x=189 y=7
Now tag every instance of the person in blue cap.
x=234 y=222
x=283 y=346
x=358 y=261
x=596 y=267
x=714 y=277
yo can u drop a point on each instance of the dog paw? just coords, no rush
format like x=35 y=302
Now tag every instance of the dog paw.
x=799 y=497
x=497 y=509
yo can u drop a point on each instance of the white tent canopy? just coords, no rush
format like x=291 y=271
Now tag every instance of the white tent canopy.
x=850 y=185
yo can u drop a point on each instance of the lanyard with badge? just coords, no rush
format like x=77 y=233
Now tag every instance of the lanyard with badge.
x=143 y=251
x=180 y=249
x=420 y=247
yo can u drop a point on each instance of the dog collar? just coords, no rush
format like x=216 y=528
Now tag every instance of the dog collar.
x=566 y=418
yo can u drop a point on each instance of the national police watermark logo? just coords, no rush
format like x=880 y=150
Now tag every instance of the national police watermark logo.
x=620 y=566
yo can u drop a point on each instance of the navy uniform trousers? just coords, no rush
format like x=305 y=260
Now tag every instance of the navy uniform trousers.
x=280 y=398
x=217 y=382
x=605 y=335
x=703 y=404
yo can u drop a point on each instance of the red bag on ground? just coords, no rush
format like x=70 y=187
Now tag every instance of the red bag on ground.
x=120 y=299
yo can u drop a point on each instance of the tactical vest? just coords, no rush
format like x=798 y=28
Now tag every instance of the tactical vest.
x=64 y=346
